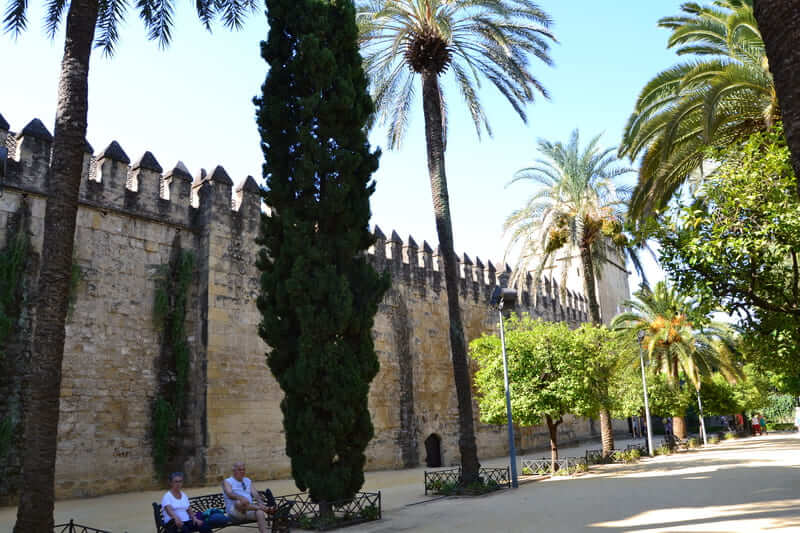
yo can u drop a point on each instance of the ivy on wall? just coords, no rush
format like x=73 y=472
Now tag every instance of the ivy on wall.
x=169 y=315
x=13 y=261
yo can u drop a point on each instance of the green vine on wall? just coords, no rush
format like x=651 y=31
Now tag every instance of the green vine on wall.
x=169 y=315
x=13 y=261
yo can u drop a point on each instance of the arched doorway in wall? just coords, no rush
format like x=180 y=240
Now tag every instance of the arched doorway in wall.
x=433 y=451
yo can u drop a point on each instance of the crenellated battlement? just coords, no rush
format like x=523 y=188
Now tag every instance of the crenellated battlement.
x=423 y=268
x=142 y=188
x=110 y=182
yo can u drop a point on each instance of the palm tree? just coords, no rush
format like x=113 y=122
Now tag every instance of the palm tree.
x=723 y=94
x=576 y=206
x=779 y=21
x=674 y=342
x=403 y=40
x=88 y=22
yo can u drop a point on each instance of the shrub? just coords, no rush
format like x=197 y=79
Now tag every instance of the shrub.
x=730 y=435
x=526 y=471
x=693 y=443
x=713 y=440
x=663 y=450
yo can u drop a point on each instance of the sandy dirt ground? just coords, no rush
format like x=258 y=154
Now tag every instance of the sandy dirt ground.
x=736 y=486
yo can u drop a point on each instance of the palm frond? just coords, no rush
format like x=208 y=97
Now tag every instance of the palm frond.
x=54 y=13
x=15 y=20
x=109 y=17
x=711 y=100
x=487 y=40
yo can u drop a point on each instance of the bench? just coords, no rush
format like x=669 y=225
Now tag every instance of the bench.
x=279 y=520
x=674 y=443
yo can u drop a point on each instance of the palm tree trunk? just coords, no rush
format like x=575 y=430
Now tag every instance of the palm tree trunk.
x=552 y=427
x=434 y=139
x=678 y=422
x=35 y=512
x=679 y=427
x=588 y=284
x=606 y=432
x=779 y=22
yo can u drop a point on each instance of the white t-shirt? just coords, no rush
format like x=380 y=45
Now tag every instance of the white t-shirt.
x=239 y=488
x=179 y=506
x=755 y=420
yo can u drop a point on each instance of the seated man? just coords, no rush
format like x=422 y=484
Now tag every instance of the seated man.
x=242 y=500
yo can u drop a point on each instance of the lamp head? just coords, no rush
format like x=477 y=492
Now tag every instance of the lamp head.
x=503 y=297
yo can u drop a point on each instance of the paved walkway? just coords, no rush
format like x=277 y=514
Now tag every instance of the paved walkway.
x=743 y=485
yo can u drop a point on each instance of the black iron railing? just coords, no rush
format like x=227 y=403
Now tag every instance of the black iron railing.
x=72 y=527
x=449 y=481
x=641 y=447
x=594 y=457
x=307 y=514
x=563 y=466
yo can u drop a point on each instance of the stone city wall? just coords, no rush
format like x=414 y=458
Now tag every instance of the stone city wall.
x=131 y=220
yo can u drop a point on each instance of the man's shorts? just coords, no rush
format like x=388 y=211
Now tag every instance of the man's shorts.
x=239 y=516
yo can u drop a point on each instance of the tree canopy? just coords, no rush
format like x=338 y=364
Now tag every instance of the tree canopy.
x=723 y=93
x=469 y=40
x=546 y=372
x=737 y=245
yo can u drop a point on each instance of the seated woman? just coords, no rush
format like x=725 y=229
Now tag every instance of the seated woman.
x=175 y=509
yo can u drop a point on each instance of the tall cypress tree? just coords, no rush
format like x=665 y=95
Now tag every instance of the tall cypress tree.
x=318 y=295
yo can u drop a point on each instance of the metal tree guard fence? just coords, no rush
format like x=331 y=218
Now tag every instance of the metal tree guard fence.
x=563 y=466
x=641 y=447
x=594 y=457
x=363 y=507
x=72 y=527
x=448 y=480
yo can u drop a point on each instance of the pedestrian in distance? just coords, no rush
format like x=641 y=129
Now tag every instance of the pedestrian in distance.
x=756 y=425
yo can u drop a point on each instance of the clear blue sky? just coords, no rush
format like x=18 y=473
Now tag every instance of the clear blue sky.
x=192 y=102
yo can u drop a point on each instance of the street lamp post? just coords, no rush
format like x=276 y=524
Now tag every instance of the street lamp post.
x=646 y=398
x=499 y=297
x=702 y=421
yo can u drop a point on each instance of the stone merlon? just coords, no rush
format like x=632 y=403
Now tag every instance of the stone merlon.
x=148 y=162
x=114 y=152
x=36 y=129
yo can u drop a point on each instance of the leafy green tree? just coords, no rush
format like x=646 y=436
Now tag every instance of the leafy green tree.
x=724 y=93
x=668 y=398
x=739 y=243
x=576 y=205
x=473 y=40
x=626 y=391
x=751 y=392
x=319 y=295
x=546 y=372
x=88 y=22
x=718 y=396
x=607 y=356
x=779 y=408
x=677 y=337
